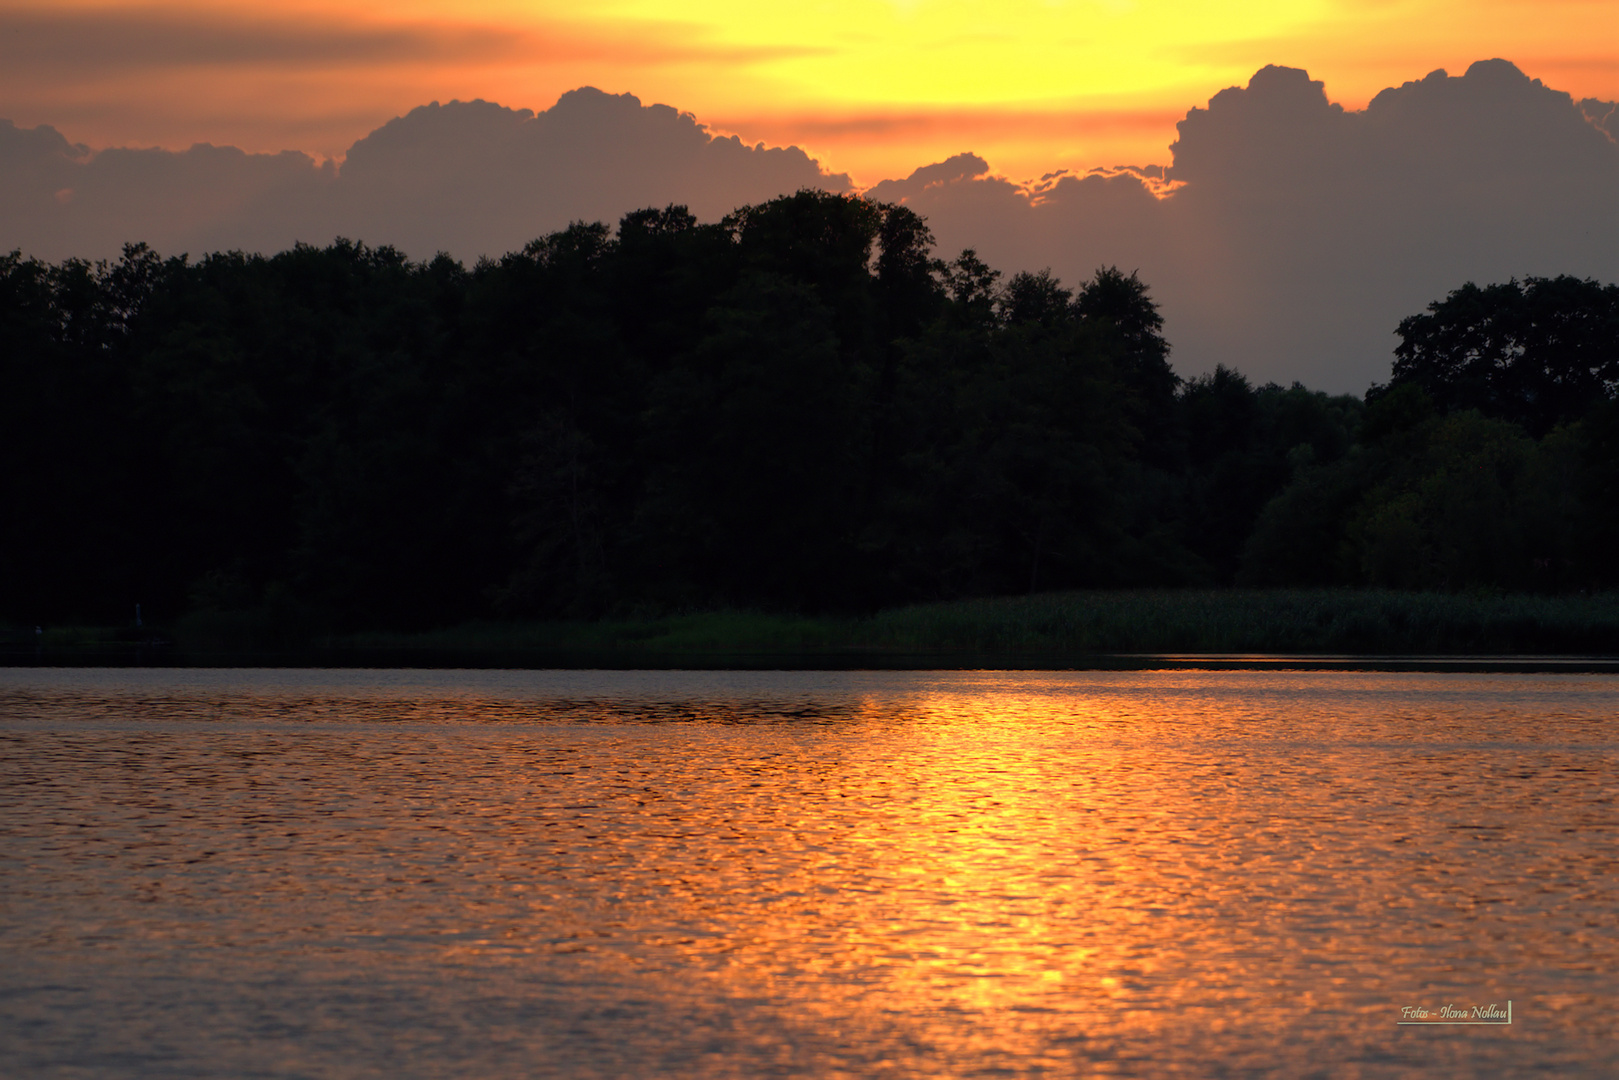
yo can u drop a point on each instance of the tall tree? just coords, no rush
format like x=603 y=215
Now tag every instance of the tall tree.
x=1537 y=352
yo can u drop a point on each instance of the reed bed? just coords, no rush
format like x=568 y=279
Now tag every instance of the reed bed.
x=1260 y=621
x=1230 y=621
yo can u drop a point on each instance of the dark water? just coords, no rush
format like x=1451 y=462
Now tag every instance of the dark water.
x=622 y=874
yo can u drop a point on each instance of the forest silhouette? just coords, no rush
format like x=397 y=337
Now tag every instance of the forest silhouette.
x=799 y=408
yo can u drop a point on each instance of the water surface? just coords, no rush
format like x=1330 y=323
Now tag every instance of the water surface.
x=864 y=874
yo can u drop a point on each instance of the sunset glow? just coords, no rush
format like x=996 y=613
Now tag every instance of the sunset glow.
x=871 y=87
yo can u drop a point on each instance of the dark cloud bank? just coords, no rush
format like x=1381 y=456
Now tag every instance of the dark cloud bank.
x=470 y=178
x=1296 y=236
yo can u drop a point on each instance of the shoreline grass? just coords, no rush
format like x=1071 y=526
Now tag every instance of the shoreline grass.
x=1092 y=622
x=1078 y=624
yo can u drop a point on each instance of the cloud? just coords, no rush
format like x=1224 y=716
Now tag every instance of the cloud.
x=1287 y=236
x=474 y=178
x=1340 y=223
x=58 y=199
x=106 y=41
x=1298 y=233
x=953 y=171
x=470 y=178
x=99 y=43
x=1602 y=115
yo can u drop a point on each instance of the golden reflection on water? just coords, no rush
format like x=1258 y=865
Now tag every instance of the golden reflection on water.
x=863 y=874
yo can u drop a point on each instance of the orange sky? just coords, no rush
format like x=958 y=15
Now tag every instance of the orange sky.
x=872 y=87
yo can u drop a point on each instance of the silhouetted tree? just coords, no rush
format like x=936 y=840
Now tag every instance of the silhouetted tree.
x=797 y=407
x=1537 y=353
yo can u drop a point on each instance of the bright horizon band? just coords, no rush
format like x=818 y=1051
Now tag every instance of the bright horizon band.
x=870 y=87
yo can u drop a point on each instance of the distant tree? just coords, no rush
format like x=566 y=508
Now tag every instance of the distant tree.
x=1537 y=353
x=1469 y=501
x=1243 y=445
x=1036 y=299
x=755 y=444
x=1118 y=306
x=970 y=284
x=1596 y=445
x=819 y=239
x=907 y=272
x=1124 y=303
x=1454 y=501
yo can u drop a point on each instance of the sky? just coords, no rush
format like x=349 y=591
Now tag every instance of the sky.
x=1300 y=176
x=870 y=88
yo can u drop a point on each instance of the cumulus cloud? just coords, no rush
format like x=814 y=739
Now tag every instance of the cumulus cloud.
x=469 y=178
x=59 y=199
x=1287 y=237
x=1295 y=234
x=475 y=178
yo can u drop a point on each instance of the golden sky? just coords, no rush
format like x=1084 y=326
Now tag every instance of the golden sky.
x=871 y=87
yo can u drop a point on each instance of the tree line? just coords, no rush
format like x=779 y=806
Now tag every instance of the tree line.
x=797 y=408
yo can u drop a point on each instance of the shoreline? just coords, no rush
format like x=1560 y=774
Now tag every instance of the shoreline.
x=1076 y=630
x=840 y=660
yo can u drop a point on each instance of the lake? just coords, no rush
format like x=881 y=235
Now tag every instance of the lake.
x=306 y=873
